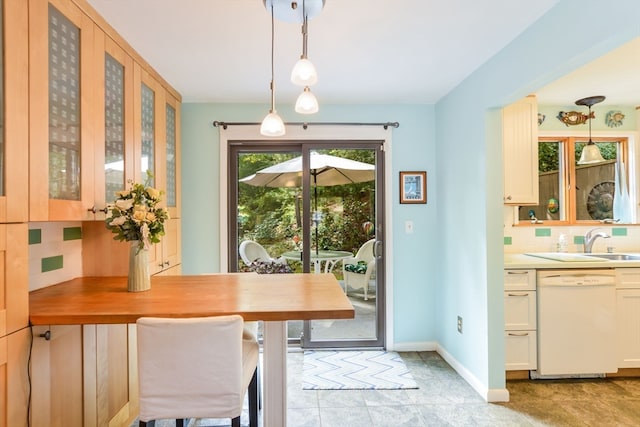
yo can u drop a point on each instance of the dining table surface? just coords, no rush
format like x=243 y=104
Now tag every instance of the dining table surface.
x=271 y=298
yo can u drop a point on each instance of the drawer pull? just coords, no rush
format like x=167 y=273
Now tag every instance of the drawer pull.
x=517 y=272
x=523 y=294
x=518 y=334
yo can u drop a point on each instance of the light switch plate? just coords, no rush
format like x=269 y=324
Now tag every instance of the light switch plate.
x=408 y=227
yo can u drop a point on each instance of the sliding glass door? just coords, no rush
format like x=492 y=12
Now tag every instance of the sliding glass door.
x=313 y=207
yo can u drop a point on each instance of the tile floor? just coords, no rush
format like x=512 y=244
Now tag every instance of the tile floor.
x=445 y=399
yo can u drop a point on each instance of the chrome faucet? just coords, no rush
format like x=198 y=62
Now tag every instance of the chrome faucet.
x=589 y=238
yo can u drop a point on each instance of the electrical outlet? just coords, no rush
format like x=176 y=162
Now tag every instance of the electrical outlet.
x=459 y=324
x=408 y=227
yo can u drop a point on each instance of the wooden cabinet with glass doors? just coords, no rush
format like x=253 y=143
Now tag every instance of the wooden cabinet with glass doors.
x=157 y=151
x=63 y=78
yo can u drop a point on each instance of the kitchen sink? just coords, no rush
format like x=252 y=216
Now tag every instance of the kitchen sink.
x=616 y=257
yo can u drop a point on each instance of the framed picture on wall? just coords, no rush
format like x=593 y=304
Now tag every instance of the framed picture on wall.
x=413 y=187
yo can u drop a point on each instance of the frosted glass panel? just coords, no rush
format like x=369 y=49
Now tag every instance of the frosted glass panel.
x=171 y=156
x=64 y=107
x=148 y=135
x=114 y=128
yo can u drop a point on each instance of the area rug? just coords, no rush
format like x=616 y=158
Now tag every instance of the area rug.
x=355 y=370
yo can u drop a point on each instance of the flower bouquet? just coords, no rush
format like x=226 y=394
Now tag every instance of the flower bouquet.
x=135 y=217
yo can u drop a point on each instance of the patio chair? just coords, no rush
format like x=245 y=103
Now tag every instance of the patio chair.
x=357 y=270
x=251 y=251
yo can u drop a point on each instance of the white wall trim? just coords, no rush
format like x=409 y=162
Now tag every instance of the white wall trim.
x=414 y=346
x=317 y=133
x=490 y=395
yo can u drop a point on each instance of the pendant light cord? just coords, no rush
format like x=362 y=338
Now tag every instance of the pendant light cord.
x=273 y=97
x=304 y=31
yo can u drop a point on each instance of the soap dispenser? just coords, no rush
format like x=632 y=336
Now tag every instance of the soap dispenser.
x=563 y=244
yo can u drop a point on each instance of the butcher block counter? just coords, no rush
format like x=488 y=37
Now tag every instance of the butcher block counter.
x=268 y=297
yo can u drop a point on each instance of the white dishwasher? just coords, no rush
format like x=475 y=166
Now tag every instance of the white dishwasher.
x=576 y=322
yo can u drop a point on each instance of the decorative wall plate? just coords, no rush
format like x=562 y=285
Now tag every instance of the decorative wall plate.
x=574 y=117
x=614 y=118
x=600 y=200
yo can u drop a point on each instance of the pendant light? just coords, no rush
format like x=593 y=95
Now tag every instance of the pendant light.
x=272 y=125
x=590 y=152
x=304 y=73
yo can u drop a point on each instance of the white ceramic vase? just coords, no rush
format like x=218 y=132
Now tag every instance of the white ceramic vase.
x=139 y=278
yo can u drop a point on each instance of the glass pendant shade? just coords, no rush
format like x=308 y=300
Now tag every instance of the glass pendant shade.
x=306 y=102
x=304 y=73
x=590 y=154
x=272 y=125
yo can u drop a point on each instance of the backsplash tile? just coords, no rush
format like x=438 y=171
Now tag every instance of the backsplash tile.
x=71 y=233
x=508 y=240
x=619 y=231
x=543 y=232
x=55 y=253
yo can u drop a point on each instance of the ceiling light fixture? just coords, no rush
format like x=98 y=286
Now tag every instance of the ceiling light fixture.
x=304 y=73
x=590 y=152
x=272 y=125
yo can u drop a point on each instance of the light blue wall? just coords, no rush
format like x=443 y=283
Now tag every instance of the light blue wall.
x=452 y=264
x=469 y=169
x=413 y=148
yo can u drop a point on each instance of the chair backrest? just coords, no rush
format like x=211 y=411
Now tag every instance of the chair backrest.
x=251 y=251
x=190 y=368
x=365 y=253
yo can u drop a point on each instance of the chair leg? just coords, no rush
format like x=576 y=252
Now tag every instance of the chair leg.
x=151 y=423
x=253 y=400
x=235 y=422
x=180 y=422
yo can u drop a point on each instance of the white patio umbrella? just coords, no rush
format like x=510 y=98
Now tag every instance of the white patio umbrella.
x=326 y=170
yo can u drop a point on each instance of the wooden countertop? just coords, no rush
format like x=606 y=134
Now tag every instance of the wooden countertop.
x=269 y=297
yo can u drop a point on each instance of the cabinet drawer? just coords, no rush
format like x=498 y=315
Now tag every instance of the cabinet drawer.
x=519 y=310
x=628 y=278
x=520 y=350
x=519 y=280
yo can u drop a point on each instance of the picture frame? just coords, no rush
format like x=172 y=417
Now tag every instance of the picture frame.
x=413 y=187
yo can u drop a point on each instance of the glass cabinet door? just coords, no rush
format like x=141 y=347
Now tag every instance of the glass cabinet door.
x=62 y=108
x=14 y=107
x=148 y=111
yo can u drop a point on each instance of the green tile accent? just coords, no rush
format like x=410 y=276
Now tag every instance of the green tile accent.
x=543 y=232
x=72 y=233
x=35 y=236
x=508 y=240
x=51 y=263
x=578 y=240
x=622 y=231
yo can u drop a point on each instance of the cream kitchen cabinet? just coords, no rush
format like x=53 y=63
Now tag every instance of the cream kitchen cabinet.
x=520 y=152
x=520 y=319
x=628 y=317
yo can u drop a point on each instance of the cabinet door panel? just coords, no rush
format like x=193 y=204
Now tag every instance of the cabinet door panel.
x=14 y=278
x=520 y=350
x=56 y=372
x=14 y=123
x=628 y=328
x=520 y=152
x=62 y=82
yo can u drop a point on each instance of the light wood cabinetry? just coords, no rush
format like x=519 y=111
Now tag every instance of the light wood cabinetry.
x=628 y=317
x=14 y=378
x=520 y=320
x=14 y=105
x=110 y=375
x=63 y=78
x=520 y=152
x=56 y=377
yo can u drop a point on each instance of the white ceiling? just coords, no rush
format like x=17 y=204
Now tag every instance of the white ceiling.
x=365 y=51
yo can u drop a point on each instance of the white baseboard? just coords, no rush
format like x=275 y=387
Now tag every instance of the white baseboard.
x=414 y=346
x=490 y=395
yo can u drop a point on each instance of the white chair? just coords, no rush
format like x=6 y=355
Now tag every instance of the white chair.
x=195 y=368
x=251 y=251
x=357 y=270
